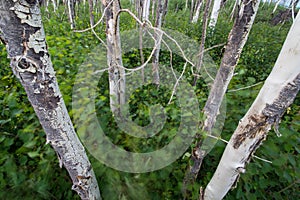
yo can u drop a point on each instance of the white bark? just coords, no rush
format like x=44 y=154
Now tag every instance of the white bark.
x=71 y=12
x=22 y=31
x=160 y=11
x=276 y=5
x=236 y=41
x=214 y=14
x=114 y=57
x=146 y=10
x=197 y=12
x=54 y=5
x=186 y=4
x=278 y=92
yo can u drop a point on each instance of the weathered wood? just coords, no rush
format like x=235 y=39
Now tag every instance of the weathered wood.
x=276 y=95
x=22 y=31
x=236 y=41
x=114 y=56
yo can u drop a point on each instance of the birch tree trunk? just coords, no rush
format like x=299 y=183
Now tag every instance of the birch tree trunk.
x=192 y=10
x=114 y=56
x=236 y=41
x=146 y=10
x=215 y=13
x=276 y=95
x=158 y=24
x=71 y=12
x=22 y=31
x=197 y=11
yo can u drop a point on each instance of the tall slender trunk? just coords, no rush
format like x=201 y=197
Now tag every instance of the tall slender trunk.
x=23 y=33
x=278 y=92
x=153 y=8
x=192 y=10
x=71 y=12
x=146 y=10
x=54 y=5
x=114 y=56
x=91 y=9
x=158 y=36
x=215 y=13
x=236 y=41
x=143 y=16
x=203 y=38
x=197 y=12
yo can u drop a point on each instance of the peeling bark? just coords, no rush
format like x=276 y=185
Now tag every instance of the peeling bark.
x=276 y=95
x=22 y=32
x=236 y=41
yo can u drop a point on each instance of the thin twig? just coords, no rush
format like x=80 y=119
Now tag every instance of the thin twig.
x=247 y=87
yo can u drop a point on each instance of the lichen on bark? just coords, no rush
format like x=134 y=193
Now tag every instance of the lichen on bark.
x=22 y=31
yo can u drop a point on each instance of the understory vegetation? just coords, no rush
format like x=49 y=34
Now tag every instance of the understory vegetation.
x=29 y=167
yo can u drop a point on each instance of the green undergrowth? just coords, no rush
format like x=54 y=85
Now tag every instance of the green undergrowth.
x=29 y=168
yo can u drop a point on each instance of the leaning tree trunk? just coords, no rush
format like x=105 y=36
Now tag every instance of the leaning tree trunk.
x=22 y=31
x=236 y=41
x=276 y=95
x=114 y=56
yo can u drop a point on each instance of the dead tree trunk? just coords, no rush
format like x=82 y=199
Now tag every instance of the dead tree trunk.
x=114 y=56
x=277 y=94
x=22 y=31
x=236 y=41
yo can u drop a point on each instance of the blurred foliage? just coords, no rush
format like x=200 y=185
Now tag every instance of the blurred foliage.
x=29 y=168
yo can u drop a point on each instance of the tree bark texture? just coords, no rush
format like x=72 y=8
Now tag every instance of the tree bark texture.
x=114 y=56
x=236 y=41
x=160 y=14
x=22 y=31
x=276 y=95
